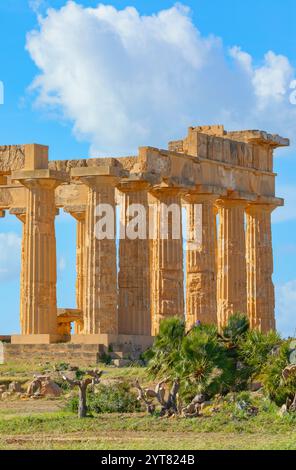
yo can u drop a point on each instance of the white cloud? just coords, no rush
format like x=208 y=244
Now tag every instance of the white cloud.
x=286 y=308
x=10 y=253
x=243 y=58
x=271 y=80
x=36 y=5
x=126 y=80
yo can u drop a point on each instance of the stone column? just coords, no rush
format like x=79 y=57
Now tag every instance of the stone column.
x=201 y=287
x=167 y=296
x=21 y=215
x=38 y=278
x=134 y=314
x=80 y=265
x=38 y=295
x=260 y=267
x=79 y=214
x=100 y=295
x=231 y=276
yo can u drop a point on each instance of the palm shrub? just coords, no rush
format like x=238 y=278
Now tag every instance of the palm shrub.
x=235 y=329
x=254 y=349
x=196 y=358
x=277 y=388
x=232 y=335
x=206 y=361
x=165 y=353
x=204 y=366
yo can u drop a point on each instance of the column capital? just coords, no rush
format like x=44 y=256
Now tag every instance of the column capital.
x=97 y=175
x=19 y=212
x=77 y=211
x=195 y=197
x=228 y=202
x=41 y=178
x=128 y=185
x=164 y=191
x=255 y=208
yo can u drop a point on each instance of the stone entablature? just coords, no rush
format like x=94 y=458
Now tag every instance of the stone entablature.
x=250 y=149
x=230 y=174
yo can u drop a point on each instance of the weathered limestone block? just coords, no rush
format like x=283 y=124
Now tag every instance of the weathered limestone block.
x=66 y=316
x=167 y=297
x=12 y=157
x=201 y=301
x=134 y=270
x=231 y=276
x=260 y=267
x=176 y=146
x=3 y=180
x=36 y=157
x=42 y=385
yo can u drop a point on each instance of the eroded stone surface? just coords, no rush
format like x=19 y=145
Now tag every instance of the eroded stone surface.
x=229 y=171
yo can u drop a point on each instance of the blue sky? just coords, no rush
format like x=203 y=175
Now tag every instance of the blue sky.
x=204 y=66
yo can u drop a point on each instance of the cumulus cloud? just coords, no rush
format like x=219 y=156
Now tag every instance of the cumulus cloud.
x=286 y=308
x=271 y=80
x=10 y=247
x=36 y=5
x=125 y=80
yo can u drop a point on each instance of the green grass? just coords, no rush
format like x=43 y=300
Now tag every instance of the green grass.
x=43 y=424
x=138 y=431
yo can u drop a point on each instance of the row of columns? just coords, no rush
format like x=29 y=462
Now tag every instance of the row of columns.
x=225 y=274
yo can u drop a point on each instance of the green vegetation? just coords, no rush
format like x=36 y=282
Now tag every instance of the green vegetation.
x=118 y=398
x=222 y=366
x=230 y=428
x=278 y=389
x=206 y=361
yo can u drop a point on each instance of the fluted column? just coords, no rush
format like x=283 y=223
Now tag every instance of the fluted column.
x=201 y=288
x=231 y=276
x=38 y=280
x=100 y=298
x=38 y=273
x=260 y=267
x=22 y=218
x=79 y=213
x=80 y=265
x=167 y=296
x=134 y=314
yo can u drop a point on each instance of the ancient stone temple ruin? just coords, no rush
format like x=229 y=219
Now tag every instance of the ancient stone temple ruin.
x=229 y=175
